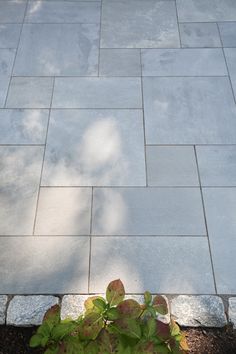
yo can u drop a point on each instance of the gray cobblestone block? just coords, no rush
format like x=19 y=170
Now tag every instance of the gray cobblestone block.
x=199 y=311
x=232 y=311
x=29 y=310
x=3 y=306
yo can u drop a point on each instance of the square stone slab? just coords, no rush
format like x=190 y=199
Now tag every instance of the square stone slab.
x=220 y=206
x=44 y=265
x=95 y=148
x=189 y=110
x=58 y=49
x=120 y=62
x=12 y=11
x=230 y=54
x=150 y=263
x=21 y=126
x=183 y=62
x=63 y=12
x=9 y=35
x=148 y=211
x=171 y=166
x=228 y=33
x=199 y=35
x=217 y=165
x=64 y=211
x=113 y=92
x=20 y=169
x=206 y=10
x=30 y=92
x=139 y=24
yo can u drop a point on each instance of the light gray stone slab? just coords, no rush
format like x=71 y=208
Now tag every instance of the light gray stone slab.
x=21 y=126
x=64 y=211
x=6 y=61
x=171 y=166
x=29 y=310
x=139 y=24
x=151 y=263
x=232 y=311
x=12 y=11
x=199 y=35
x=217 y=165
x=106 y=148
x=183 y=62
x=228 y=33
x=3 y=308
x=220 y=206
x=44 y=265
x=148 y=211
x=187 y=110
x=4 y=84
x=63 y=12
x=206 y=10
x=20 y=169
x=230 y=54
x=199 y=311
x=9 y=35
x=97 y=93
x=120 y=62
x=30 y=92
x=58 y=49
x=72 y=306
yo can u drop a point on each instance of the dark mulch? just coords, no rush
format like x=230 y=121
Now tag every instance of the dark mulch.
x=201 y=341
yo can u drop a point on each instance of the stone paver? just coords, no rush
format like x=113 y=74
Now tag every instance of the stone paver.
x=9 y=35
x=44 y=265
x=29 y=310
x=134 y=257
x=196 y=311
x=199 y=35
x=228 y=33
x=232 y=311
x=89 y=160
x=143 y=211
x=12 y=11
x=3 y=307
x=64 y=211
x=230 y=54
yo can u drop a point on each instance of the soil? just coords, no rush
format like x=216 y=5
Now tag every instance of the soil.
x=14 y=340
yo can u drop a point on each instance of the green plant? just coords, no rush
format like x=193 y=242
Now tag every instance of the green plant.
x=112 y=325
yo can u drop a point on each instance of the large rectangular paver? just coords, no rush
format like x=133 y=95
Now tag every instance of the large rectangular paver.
x=63 y=12
x=183 y=62
x=220 y=205
x=230 y=54
x=64 y=211
x=199 y=35
x=21 y=126
x=20 y=169
x=58 y=49
x=9 y=35
x=12 y=11
x=217 y=165
x=171 y=166
x=97 y=93
x=139 y=24
x=187 y=110
x=6 y=61
x=44 y=265
x=228 y=33
x=147 y=211
x=206 y=10
x=106 y=148
x=4 y=84
x=151 y=263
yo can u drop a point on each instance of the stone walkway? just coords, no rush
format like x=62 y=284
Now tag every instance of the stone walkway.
x=118 y=146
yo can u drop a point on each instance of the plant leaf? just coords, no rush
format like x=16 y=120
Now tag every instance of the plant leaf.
x=162 y=330
x=115 y=292
x=100 y=304
x=112 y=314
x=62 y=330
x=147 y=298
x=160 y=305
x=175 y=330
x=35 y=340
x=89 y=303
x=130 y=327
x=183 y=343
x=129 y=308
x=52 y=315
x=144 y=348
x=150 y=328
x=91 y=326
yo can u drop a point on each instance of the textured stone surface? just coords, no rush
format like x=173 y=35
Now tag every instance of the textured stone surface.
x=9 y=35
x=12 y=11
x=232 y=311
x=198 y=311
x=199 y=35
x=29 y=310
x=228 y=33
x=3 y=307
x=120 y=62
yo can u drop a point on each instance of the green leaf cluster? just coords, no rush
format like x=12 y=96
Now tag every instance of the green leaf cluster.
x=112 y=325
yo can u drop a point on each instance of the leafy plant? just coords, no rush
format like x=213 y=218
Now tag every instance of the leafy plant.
x=112 y=325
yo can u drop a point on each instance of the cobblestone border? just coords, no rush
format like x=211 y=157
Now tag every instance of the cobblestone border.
x=187 y=310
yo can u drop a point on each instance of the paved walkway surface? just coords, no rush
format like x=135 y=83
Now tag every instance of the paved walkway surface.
x=118 y=146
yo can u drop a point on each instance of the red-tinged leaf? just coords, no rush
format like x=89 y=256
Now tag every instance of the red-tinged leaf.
x=71 y=346
x=91 y=326
x=106 y=342
x=89 y=303
x=145 y=348
x=162 y=330
x=52 y=315
x=130 y=327
x=183 y=343
x=115 y=292
x=175 y=347
x=160 y=305
x=129 y=308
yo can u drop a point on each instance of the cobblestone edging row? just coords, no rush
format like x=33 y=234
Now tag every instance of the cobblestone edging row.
x=193 y=311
